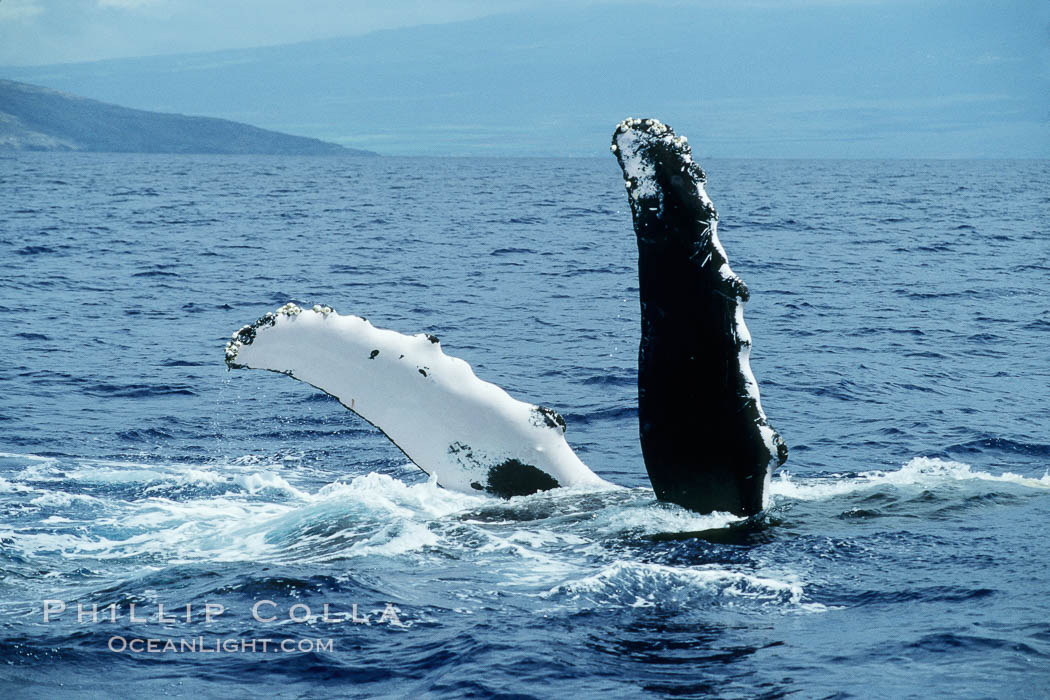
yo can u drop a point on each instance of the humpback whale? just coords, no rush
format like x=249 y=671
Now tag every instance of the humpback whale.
x=706 y=442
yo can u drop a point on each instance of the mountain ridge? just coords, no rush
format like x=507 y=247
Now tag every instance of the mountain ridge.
x=36 y=118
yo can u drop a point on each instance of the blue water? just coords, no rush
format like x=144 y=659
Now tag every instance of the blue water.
x=900 y=316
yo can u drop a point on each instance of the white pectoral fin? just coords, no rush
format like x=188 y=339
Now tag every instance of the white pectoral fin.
x=469 y=432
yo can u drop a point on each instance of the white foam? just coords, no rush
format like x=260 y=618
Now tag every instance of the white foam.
x=543 y=538
x=523 y=564
x=266 y=516
x=382 y=492
x=26 y=457
x=652 y=518
x=396 y=539
x=115 y=473
x=640 y=583
x=61 y=499
x=201 y=477
x=919 y=471
x=12 y=487
x=257 y=482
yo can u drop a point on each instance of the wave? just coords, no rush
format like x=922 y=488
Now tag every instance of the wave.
x=640 y=584
x=581 y=546
x=928 y=472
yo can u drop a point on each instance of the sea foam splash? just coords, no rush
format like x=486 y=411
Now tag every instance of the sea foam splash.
x=643 y=584
x=566 y=546
x=252 y=511
x=928 y=472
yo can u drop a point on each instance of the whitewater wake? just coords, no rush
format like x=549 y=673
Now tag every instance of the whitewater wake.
x=579 y=547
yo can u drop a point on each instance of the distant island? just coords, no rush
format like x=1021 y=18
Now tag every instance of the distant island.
x=34 y=118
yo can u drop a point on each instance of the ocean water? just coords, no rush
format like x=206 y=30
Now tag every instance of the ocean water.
x=900 y=315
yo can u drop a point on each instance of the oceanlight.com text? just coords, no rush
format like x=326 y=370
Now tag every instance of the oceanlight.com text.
x=215 y=645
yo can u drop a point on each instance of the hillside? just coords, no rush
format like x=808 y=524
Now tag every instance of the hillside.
x=39 y=119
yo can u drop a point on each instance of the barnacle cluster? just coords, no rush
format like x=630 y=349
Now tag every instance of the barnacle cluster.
x=247 y=334
x=636 y=142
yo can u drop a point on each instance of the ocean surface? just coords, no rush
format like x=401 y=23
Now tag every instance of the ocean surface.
x=901 y=317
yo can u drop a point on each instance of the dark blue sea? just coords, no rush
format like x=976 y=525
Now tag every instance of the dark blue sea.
x=901 y=318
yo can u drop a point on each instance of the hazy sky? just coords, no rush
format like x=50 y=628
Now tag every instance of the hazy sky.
x=37 y=32
x=763 y=78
